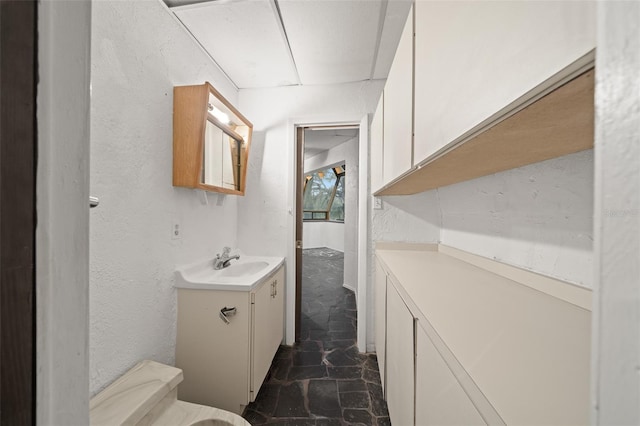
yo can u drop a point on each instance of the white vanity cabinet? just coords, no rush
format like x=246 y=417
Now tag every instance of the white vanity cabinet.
x=473 y=58
x=398 y=108
x=225 y=360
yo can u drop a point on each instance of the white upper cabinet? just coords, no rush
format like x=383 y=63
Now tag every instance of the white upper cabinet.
x=377 y=127
x=398 y=108
x=473 y=58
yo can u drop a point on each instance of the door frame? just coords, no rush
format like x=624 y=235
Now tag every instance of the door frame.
x=62 y=234
x=293 y=292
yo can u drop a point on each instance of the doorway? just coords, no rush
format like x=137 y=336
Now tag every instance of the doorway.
x=327 y=234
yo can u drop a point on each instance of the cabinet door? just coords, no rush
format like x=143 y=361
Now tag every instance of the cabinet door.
x=400 y=351
x=268 y=328
x=377 y=145
x=473 y=58
x=440 y=400
x=380 y=318
x=213 y=355
x=398 y=108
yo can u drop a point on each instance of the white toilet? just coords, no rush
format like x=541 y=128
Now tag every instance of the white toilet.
x=147 y=395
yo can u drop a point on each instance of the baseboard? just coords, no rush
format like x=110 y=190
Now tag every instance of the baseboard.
x=350 y=287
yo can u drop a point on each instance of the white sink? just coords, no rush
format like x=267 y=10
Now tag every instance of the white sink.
x=241 y=275
x=243 y=269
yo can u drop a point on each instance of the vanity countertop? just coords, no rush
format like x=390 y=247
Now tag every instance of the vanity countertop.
x=244 y=274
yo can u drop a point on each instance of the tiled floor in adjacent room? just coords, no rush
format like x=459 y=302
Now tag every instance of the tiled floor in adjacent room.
x=323 y=379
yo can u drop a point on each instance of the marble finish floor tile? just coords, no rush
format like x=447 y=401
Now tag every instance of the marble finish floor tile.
x=322 y=379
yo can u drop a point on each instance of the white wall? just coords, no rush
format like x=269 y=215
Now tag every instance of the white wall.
x=616 y=315
x=62 y=233
x=538 y=217
x=323 y=234
x=265 y=213
x=140 y=52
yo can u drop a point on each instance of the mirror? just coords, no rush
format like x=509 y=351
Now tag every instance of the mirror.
x=221 y=162
x=211 y=141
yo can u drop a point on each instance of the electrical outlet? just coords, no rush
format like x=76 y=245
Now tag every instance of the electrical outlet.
x=176 y=230
x=377 y=203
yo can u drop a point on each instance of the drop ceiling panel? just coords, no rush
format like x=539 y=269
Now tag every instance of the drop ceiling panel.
x=332 y=41
x=244 y=38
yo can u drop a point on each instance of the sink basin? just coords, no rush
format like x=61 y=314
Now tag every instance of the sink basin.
x=242 y=269
x=241 y=275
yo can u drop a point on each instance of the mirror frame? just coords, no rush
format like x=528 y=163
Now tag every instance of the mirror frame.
x=190 y=117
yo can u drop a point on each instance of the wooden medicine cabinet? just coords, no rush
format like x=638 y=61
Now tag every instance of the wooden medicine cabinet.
x=211 y=141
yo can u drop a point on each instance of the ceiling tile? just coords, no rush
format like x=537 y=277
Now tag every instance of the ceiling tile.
x=332 y=41
x=318 y=141
x=244 y=38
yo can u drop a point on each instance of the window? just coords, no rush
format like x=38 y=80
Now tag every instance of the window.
x=323 y=197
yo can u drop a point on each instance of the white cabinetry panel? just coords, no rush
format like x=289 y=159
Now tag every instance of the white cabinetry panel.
x=440 y=400
x=473 y=58
x=399 y=359
x=268 y=331
x=224 y=364
x=213 y=355
x=380 y=295
x=398 y=108
x=377 y=146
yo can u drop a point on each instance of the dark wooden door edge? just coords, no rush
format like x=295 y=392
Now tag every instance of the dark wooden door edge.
x=18 y=74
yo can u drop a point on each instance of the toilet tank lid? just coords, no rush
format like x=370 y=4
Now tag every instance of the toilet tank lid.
x=129 y=398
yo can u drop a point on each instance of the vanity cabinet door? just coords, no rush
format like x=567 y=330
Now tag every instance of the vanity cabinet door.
x=399 y=359
x=380 y=318
x=267 y=329
x=474 y=58
x=398 y=108
x=210 y=351
x=440 y=400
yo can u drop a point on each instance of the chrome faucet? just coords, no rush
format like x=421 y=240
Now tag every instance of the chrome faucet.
x=222 y=260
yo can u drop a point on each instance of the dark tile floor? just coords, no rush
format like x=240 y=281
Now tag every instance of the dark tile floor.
x=323 y=379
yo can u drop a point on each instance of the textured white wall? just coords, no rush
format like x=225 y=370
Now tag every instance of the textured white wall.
x=264 y=213
x=407 y=219
x=537 y=217
x=139 y=52
x=323 y=234
x=616 y=325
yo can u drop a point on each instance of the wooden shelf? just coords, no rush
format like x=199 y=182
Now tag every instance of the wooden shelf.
x=560 y=123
